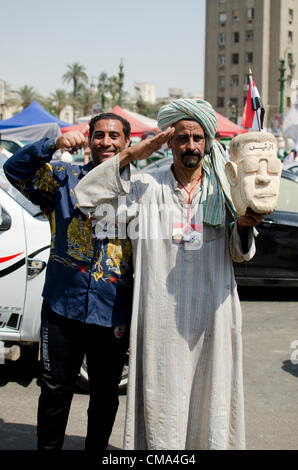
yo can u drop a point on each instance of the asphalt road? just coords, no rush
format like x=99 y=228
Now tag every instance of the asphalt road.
x=270 y=330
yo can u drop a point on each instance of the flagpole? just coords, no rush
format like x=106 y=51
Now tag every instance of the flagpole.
x=252 y=102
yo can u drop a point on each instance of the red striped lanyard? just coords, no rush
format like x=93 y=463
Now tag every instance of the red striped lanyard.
x=189 y=193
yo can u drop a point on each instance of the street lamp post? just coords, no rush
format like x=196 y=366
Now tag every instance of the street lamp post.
x=121 y=77
x=233 y=116
x=282 y=79
x=102 y=97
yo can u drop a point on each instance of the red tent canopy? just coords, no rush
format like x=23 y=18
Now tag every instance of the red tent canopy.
x=228 y=128
x=75 y=127
x=137 y=127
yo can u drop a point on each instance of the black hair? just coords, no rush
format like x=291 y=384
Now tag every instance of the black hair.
x=99 y=117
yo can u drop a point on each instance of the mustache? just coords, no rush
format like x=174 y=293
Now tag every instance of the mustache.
x=192 y=153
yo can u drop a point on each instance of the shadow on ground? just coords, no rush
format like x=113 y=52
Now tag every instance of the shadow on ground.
x=26 y=369
x=22 y=371
x=16 y=436
x=291 y=368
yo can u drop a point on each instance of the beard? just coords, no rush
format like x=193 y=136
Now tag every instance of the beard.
x=191 y=159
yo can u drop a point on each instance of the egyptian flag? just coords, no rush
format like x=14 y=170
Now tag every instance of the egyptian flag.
x=253 y=113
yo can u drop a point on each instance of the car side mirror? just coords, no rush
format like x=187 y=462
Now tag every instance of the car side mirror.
x=5 y=220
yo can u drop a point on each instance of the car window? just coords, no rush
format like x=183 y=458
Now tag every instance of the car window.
x=26 y=142
x=10 y=146
x=14 y=193
x=288 y=196
x=293 y=169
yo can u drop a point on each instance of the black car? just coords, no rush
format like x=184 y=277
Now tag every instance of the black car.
x=276 y=260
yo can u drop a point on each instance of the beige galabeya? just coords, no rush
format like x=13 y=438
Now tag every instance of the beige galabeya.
x=254 y=172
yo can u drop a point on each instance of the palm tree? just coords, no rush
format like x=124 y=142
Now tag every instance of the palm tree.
x=102 y=87
x=58 y=101
x=103 y=82
x=86 y=99
x=27 y=95
x=113 y=87
x=75 y=74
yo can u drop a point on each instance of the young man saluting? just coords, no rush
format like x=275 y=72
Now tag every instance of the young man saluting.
x=88 y=287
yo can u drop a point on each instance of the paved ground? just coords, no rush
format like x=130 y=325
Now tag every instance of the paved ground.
x=270 y=378
x=270 y=382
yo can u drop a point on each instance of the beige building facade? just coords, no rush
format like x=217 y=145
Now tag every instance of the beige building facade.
x=146 y=91
x=256 y=35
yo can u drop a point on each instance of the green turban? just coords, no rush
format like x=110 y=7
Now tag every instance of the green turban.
x=185 y=108
x=215 y=187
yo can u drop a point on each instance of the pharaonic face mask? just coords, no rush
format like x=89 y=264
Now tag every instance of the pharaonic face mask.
x=254 y=172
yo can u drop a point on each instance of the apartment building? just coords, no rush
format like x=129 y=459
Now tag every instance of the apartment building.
x=256 y=35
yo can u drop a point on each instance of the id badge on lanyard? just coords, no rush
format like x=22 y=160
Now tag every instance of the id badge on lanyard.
x=188 y=231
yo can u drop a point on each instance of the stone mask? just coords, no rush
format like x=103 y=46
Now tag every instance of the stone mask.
x=254 y=172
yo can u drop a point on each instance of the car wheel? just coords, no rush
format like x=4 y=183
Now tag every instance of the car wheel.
x=83 y=381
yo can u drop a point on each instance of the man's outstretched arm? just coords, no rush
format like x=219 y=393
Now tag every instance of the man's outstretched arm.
x=145 y=148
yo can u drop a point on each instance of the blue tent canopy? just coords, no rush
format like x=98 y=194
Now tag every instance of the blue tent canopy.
x=31 y=115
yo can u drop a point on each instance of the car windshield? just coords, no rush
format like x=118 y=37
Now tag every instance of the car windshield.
x=26 y=142
x=10 y=145
x=288 y=196
x=14 y=193
x=293 y=169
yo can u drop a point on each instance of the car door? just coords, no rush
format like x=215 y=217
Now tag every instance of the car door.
x=12 y=262
x=24 y=251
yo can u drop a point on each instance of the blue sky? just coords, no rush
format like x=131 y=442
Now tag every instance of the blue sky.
x=160 y=41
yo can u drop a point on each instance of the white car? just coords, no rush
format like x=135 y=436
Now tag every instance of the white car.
x=24 y=251
x=12 y=145
x=25 y=241
x=291 y=165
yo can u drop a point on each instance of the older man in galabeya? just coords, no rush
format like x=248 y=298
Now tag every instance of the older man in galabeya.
x=185 y=386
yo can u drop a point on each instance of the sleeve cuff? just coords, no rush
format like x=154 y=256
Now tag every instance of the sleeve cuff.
x=237 y=252
x=123 y=177
x=48 y=147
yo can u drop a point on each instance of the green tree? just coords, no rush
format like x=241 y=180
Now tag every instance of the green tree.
x=86 y=99
x=102 y=87
x=27 y=95
x=77 y=75
x=147 y=109
x=58 y=100
x=113 y=88
x=103 y=82
x=108 y=89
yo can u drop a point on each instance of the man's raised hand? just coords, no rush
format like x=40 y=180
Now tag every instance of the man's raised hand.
x=72 y=139
x=145 y=148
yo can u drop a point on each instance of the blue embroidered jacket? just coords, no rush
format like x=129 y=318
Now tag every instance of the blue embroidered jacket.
x=87 y=279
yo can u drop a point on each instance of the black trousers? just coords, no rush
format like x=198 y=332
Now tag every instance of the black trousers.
x=63 y=344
